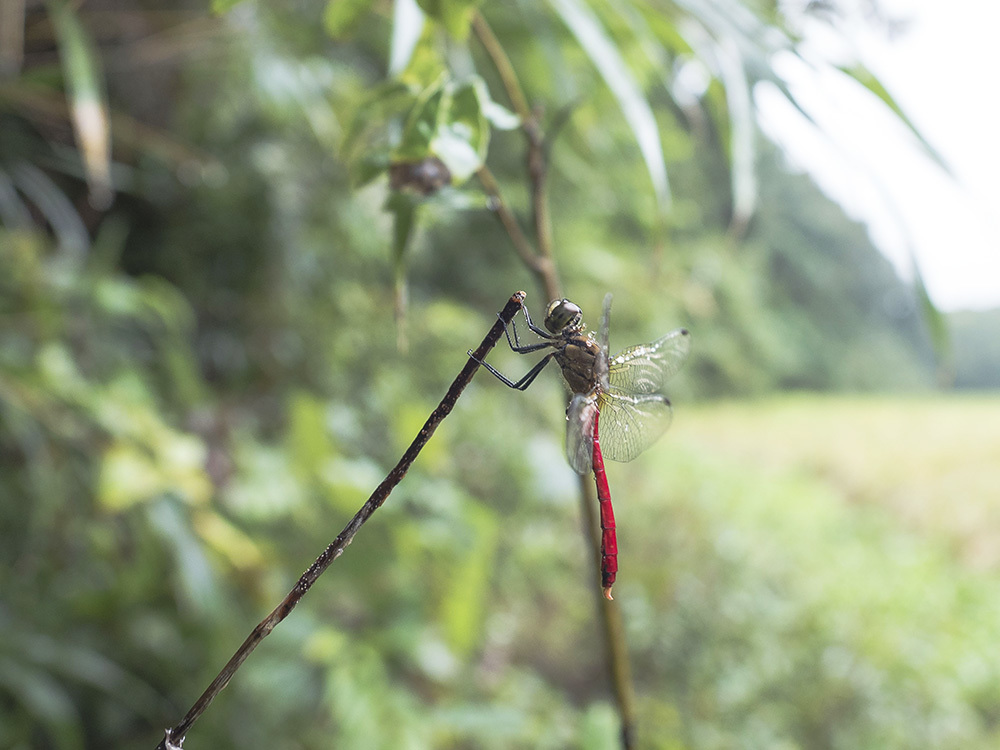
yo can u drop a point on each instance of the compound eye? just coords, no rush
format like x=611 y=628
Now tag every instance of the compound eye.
x=562 y=314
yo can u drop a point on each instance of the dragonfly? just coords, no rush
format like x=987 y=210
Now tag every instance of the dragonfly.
x=618 y=408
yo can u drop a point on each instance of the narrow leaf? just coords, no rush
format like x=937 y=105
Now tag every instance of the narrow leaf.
x=742 y=132
x=584 y=25
x=866 y=78
x=88 y=104
x=937 y=324
x=407 y=26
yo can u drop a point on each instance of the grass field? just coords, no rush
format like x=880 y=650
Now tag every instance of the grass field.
x=819 y=571
x=933 y=460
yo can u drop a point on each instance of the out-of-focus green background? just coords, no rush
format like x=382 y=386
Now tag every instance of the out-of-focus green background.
x=203 y=378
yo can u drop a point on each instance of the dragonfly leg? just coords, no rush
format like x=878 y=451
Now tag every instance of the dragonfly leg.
x=524 y=382
x=534 y=329
x=516 y=345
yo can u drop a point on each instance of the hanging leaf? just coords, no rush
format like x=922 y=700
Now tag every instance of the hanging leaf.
x=454 y=15
x=421 y=125
x=407 y=26
x=87 y=100
x=462 y=137
x=449 y=123
x=403 y=208
x=937 y=326
x=608 y=60
x=742 y=133
x=866 y=78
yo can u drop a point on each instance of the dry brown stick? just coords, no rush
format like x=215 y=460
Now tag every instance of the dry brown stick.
x=174 y=737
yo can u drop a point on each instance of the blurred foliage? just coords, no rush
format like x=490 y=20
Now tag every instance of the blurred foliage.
x=201 y=383
x=976 y=348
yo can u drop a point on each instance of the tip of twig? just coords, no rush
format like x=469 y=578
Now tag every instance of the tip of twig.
x=607 y=594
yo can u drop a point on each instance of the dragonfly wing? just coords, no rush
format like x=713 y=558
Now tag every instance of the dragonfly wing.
x=645 y=368
x=631 y=423
x=580 y=432
x=601 y=364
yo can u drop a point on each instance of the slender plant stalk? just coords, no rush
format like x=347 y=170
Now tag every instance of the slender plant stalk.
x=541 y=263
x=522 y=245
x=174 y=737
x=611 y=620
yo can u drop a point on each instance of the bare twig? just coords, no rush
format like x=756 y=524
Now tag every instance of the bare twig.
x=174 y=737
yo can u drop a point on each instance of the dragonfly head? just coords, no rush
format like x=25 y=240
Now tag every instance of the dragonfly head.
x=563 y=315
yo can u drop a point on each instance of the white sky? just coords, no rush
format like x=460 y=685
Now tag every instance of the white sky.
x=944 y=72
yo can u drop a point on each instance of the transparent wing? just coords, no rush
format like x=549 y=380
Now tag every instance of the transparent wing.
x=601 y=365
x=580 y=432
x=644 y=369
x=631 y=423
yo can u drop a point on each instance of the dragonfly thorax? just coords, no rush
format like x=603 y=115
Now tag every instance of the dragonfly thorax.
x=577 y=356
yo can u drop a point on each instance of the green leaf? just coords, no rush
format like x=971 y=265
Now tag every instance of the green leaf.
x=499 y=116
x=407 y=26
x=463 y=133
x=403 y=208
x=422 y=124
x=341 y=17
x=742 y=132
x=866 y=78
x=449 y=121
x=87 y=100
x=608 y=60
x=496 y=114
x=937 y=324
x=454 y=15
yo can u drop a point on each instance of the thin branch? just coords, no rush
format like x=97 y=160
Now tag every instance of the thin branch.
x=503 y=66
x=173 y=738
x=538 y=171
x=542 y=267
x=611 y=621
x=539 y=262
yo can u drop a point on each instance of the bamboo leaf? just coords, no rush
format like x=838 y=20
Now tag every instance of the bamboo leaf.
x=742 y=133
x=866 y=78
x=87 y=100
x=407 y=26
x=596 y=43
x=937 y=324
